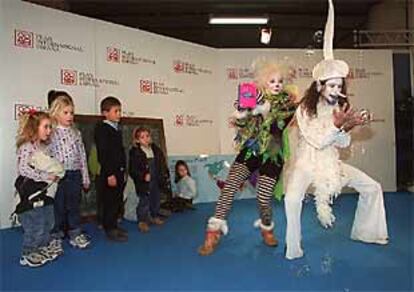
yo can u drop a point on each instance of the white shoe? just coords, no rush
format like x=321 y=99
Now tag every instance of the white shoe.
x=33 y=260
x=81 y=241
x=366 y=240
x=50 y=255
x=55 y=245
x=292 y=256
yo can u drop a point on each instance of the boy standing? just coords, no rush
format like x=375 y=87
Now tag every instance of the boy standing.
x=111 y=157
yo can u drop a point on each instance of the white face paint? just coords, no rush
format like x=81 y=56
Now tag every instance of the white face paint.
x=274 y=83
x=332 y=90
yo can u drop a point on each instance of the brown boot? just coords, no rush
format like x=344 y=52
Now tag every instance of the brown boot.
x=211 y=241
x=268 y=238
x=267 y=233
x=143 y=227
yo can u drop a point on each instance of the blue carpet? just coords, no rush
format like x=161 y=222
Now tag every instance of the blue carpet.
x=166 y=258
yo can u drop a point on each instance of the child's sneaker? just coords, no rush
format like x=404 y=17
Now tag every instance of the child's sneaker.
x=81 y=241
x=33 y=260
x=47 y=253
x=87 y=237
x=55 y=245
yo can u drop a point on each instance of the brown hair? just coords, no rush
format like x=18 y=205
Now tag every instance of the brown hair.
x=177 y=165
x=28 y=127
x=108 y=102
x=311 y=98
x=137 y=131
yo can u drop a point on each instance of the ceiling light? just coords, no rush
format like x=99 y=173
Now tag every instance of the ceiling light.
x=238 y=20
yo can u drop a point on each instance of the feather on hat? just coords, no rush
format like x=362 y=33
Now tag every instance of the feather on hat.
x=329 y=68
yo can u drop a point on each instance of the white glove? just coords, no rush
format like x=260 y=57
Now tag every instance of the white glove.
x=262 y=109
x=239 y=114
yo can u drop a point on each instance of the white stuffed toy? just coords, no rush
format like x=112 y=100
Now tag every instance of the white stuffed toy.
x=43 y=162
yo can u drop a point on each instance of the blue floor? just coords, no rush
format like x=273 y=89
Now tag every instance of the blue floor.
x=166 y=258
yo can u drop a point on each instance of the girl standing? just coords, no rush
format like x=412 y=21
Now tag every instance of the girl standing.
x=67 y=147
x=35 y=209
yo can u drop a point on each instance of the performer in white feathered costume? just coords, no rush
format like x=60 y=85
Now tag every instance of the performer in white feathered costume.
x=324 y=119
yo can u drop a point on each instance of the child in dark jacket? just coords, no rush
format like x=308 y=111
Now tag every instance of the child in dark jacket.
x=111 y=157
x=148 y=169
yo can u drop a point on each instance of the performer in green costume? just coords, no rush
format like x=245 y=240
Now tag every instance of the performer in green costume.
x=260 y=141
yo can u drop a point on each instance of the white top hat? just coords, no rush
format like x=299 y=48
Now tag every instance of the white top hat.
x=329 y=67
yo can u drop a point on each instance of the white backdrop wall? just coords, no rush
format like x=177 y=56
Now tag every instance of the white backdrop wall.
x=190 y=87
x=163 y=78
x=4 y=108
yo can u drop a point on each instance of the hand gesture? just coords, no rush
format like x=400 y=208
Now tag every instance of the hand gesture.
x=356 y=120
x=343 y=116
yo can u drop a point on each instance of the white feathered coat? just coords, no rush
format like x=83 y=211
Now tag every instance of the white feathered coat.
x=316 y=162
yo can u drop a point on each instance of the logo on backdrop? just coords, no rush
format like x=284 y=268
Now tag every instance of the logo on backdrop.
x=189 y=68
x=188 y=120
x=80 y=78
x=30 y=40
x=147 y=86
x=68 y=77
x=362 y=73
x=20 y=109
x=113 y=55
x=298 y=72
x=24 y=39
x=117 y=55
x=179 y=121
x=239 y=73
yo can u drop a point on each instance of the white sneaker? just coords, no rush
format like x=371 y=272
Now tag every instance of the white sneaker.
x=50 y=255
x=33 y=260
x=55 y=245
x=81 y=241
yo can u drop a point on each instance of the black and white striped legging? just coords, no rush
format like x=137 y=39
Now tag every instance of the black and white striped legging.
x=239 y=172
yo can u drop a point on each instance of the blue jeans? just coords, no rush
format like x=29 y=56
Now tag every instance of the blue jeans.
x=67 y=205
x=37 y=224
x=149 y=204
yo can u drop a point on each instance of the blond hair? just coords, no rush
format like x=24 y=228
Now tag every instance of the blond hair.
x=58 y=104
x=28 y=127
x=264 y=68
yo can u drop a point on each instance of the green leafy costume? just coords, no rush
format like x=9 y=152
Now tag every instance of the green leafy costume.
x=267 y=137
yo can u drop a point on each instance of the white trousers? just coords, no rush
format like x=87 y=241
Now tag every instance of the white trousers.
x=369 y=223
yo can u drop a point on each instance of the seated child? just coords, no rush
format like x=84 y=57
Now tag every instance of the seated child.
x=186 y=188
